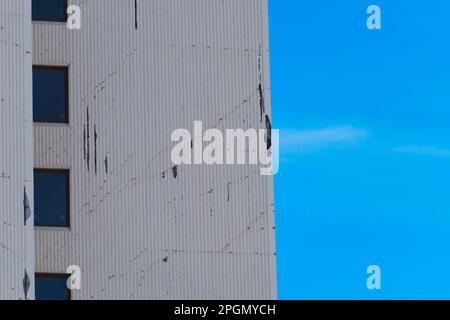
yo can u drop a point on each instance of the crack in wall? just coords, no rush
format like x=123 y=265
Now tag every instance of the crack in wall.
x=106 y=164
x=95 y=149
x=26 y=282
x=175 y=172
x=87 y=139
x=135 y=15
x=26 y=207
x=260 y=87
x=269 y=132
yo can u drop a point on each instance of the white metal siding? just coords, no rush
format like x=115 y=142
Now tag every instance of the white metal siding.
x=16 y=149
x=137 y=231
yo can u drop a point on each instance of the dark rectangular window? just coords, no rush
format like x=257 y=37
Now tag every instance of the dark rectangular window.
x=51 y=198
x=52 y=287
x=49 y=10
x=50 y=94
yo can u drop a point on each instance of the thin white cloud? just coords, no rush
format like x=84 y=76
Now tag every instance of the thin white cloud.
x=314 y=140
x=423 y=150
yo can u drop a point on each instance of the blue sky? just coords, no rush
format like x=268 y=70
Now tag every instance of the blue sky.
x=365 y=148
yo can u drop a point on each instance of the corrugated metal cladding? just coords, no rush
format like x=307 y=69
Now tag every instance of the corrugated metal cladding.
x=141 y=229
x=16 y=152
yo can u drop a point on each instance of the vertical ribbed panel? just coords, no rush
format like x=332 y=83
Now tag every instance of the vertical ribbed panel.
x=137 y=230
x=16 y=145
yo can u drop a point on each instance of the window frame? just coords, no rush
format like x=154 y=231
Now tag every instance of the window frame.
x=67 y=173
x=55 y=275
x=41 y=19
x=65 y=68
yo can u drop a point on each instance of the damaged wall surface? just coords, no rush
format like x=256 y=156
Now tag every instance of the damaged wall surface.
x=140 y=227
x=16 y=152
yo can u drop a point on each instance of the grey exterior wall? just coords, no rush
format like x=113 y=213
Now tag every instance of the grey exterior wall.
x=140 y=230
x=16 y=156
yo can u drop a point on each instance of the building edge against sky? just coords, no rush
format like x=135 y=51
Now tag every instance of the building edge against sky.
x=138 y=227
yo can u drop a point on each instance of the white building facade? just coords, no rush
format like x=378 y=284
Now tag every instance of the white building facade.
x=137 y=226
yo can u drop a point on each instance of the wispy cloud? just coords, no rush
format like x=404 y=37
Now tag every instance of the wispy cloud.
x=423 y=150
x=318 y=139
